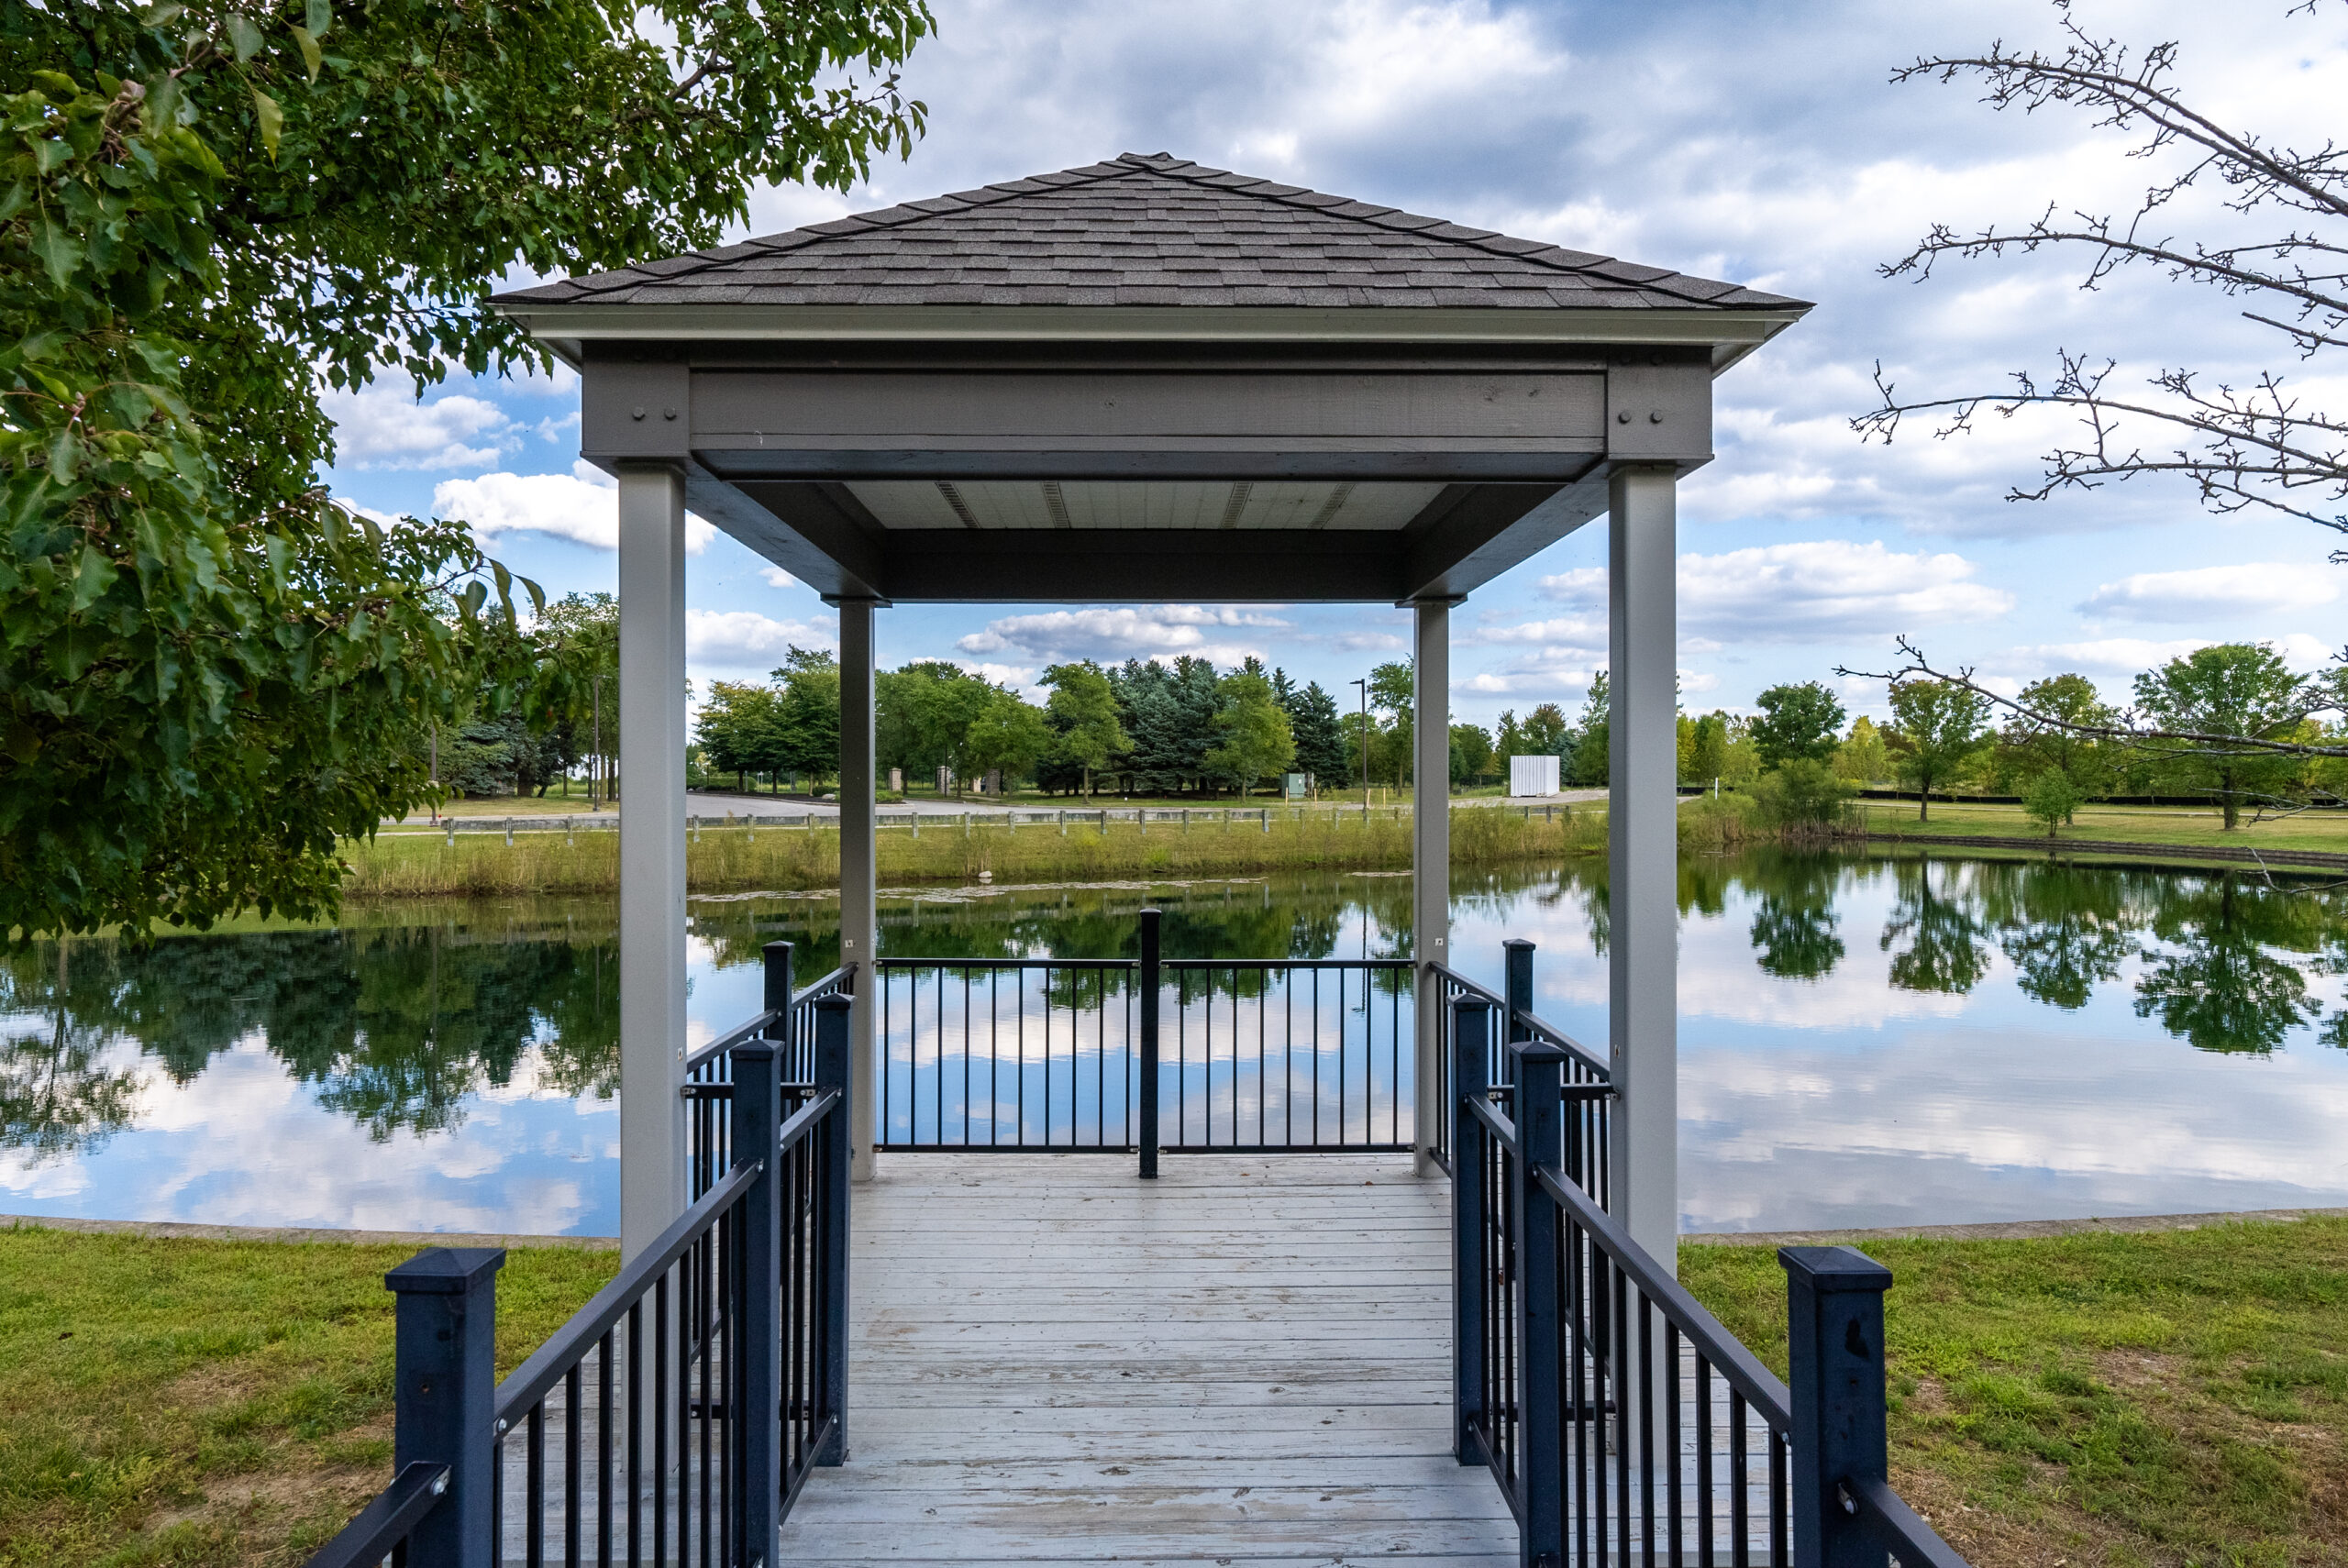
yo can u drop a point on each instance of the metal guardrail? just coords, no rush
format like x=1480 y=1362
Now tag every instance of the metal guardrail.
x=1622 y=1422
x=678 y=1414
x=789 y=1023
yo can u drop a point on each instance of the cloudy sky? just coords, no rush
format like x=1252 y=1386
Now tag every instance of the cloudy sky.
x=1758 y=142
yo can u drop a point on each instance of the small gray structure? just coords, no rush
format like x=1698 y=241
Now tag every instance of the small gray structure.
x=1147 y=380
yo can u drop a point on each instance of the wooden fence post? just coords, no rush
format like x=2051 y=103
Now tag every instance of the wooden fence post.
x=1834 y=1362
x=444 y=1389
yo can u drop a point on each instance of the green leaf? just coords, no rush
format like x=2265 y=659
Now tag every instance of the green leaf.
x=244 y=37
x=319 y=16
x=58 y=251
x=308 y=42
x=271 y=118
x=64 y=457
x=161 y=16
x=95 y=577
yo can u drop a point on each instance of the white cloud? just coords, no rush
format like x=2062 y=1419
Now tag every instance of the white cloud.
x=582 y=505
x=777 y=578
x=2104 y=656
x=1571 y=631
x=2203 y=594
x=1120 y=633
x=1813 y=589
x=383 y=426
x=744 y=639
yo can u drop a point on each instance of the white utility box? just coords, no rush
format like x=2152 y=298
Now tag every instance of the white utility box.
x=1533 y=775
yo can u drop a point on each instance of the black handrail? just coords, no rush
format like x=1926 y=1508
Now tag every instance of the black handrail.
x=383 y=1527
x=1898 y=1529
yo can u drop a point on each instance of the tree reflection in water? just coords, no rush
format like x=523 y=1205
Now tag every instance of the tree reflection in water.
x=397 y=1020
x=392 y=1027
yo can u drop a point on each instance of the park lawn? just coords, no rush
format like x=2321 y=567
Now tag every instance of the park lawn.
x=2180 y=826
x=2154 y=1398
x=199 y=1403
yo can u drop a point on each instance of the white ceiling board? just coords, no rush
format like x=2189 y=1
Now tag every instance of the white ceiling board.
x=1174 y=506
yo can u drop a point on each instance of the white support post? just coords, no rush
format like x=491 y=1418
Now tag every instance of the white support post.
x=652 y=852
x=1430 y=859
x=1643 y=856
x=860 y=927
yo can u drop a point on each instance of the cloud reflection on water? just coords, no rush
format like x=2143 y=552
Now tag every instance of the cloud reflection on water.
x=1861 y=1042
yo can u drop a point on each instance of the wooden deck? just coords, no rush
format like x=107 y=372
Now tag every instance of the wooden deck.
x=1245 y=1361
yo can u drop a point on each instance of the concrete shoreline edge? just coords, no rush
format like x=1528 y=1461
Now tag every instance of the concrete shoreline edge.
x=2003 y=1230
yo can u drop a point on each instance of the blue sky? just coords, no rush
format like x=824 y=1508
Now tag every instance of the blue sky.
x=1759 y=142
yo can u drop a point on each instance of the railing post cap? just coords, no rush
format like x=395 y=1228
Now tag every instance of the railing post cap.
x=776 y=944
x=1518 y=942
x=1537 y=1053
x=753 y=1051
x=1471 y=1001
x=832 y=1001
x=1829 y=1269
x=445 y=1271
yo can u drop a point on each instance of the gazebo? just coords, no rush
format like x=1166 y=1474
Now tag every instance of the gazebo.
x=1147 y=380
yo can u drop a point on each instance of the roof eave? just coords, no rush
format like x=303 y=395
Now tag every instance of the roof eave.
x=1731 y=333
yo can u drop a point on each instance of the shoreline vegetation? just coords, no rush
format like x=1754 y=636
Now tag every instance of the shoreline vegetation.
x=2124 y=1399
x=945 y=849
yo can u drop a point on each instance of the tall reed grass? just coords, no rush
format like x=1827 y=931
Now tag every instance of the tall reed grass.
x=737 y=859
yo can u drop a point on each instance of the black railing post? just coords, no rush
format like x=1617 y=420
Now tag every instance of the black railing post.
x=444 y=1389
x=1148 y=980
x=777 y=1000
x=1834 y=1366
x=832 y=1072
x=1517 y=957
x=1471 y=1035
x=1540 y=1131
x=758 y=1304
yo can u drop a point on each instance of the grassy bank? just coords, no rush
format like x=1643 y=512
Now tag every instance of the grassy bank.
x=2177 y=826
x=200 y=1403
x=2147 y=1400
x=2178 y=1398
x=743 y=859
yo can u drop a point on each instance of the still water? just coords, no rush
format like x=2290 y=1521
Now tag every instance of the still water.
x=1863 y=1041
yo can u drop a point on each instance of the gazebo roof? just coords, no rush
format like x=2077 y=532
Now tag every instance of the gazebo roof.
x=1149 y=229
x=1147 y=379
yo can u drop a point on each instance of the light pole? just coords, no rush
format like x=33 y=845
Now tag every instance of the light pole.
x=1362 y=738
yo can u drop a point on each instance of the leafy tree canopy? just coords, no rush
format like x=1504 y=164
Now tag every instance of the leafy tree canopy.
x=210 y=673
x=1797 y=719
x=1936 y=727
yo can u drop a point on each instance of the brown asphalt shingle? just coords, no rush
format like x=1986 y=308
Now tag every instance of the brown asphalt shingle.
x=1147 y=230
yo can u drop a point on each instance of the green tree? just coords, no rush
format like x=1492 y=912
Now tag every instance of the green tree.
x=1006 y=733
x=1313 y=721
x=1472 y=753
x=1255 y=738
x=736 y=727
x=2228 y=690
x=2051 y=799
x=1592 y=761
x=805 y=737
x=1936 y=727
x=1862 y=757
x=2037 y=739
x=212 y=673
x=1393 y=691
x=1707 y=749
x=1796 y=720
x=1082 y=712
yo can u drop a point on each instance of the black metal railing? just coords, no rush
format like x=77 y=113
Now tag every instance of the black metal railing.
x=1588 y=1132
x=1274 y=1054
x=676 y=1416
x=1182 y=1055
x=1006 y=1054
x=1619 y=1419
x=787 y=1020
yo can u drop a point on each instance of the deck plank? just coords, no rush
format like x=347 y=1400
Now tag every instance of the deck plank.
x=1244 y=1361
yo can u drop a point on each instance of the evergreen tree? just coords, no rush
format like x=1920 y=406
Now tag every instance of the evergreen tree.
x=1313 y=721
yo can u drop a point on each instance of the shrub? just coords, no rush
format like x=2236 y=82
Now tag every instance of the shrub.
x=1803 y=794
x=2051 y=799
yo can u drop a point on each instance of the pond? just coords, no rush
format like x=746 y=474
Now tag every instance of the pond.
x=1864 y=1041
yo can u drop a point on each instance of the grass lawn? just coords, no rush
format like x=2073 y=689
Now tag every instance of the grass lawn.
x=2323 y=830
x=194 y=1402
x=2172 y=1398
